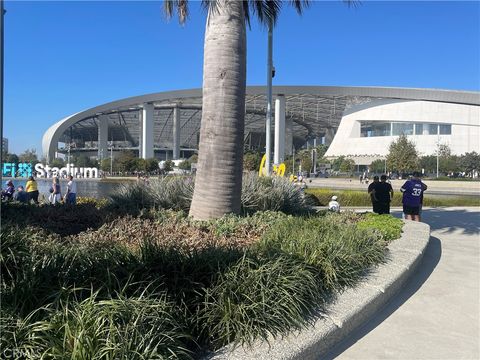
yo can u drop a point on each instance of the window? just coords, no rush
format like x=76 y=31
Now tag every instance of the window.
x=418 y=129
x=402 y=129
x=369 y=129
x=445 y=129
x=432 y=129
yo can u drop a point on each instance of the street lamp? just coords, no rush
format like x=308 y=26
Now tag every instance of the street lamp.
x=111 y=158
x=438 y=147
x=2 y=12
x=268 y=141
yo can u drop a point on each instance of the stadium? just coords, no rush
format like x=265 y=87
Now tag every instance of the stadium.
x=356 y=122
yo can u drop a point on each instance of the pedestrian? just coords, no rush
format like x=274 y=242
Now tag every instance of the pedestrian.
x=333 y=205
x=55 y=192
x=7 y=194
x=371 y=191
x=384 y=194
x=71 y=195
x=21 y=195
x=32 y=190
x=412 y=192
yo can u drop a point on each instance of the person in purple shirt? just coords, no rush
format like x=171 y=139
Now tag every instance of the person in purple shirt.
x=7 y=194
x=412 y=197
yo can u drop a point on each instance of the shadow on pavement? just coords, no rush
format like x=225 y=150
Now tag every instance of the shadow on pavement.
x=467 y=222
x=430 y=260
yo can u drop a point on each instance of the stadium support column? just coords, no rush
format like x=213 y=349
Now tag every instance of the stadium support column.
x=279 y=148
x=102 y=137
x=147 y=131
x=176 y=133
x=140 y=133
x=329 y=134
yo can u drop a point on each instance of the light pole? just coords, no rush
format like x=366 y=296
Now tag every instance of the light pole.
x=2 y=12
x=438 y=147
x=111 y=158
x=268 y=140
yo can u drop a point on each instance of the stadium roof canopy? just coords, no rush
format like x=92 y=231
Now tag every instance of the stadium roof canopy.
x=312 y=109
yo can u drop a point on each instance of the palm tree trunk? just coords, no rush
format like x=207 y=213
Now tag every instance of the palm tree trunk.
x=218 y=181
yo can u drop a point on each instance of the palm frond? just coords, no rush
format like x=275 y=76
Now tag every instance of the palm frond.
x=352 y=3
x=179 y=6
x=246 y=12
x=266 y=10
x=299 y=5
x=168 y=8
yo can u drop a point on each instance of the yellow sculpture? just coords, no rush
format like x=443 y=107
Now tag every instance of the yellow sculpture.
x=277 y=170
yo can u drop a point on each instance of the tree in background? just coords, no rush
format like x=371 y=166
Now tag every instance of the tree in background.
x=168 y=166
x=337 y=163
x=402 y=156
x=125 y=161
x=347 y=165
x=185 y=165
x=138 y=165
x=428 y=163
x=10 y=158
x=83 y=161
x=151 y=165
x=377 y=166
x=105 y=165
x=321 y=150
x=305 y=158
x=251 y=161
x=470 y=162
x=57 y=163
x=28 y=156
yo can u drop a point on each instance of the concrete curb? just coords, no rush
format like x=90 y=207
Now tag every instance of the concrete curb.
x=352 y=309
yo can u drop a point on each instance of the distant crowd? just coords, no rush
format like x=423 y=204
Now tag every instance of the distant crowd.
x=29 y=193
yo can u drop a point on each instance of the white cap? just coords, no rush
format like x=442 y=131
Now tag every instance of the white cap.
x=334 y=197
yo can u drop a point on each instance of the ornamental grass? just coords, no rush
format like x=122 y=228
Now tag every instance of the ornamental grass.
x=175 y=193
x=159 y=285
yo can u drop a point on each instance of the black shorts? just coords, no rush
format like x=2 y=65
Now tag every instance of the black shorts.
x=411 y=210
x=384 y=208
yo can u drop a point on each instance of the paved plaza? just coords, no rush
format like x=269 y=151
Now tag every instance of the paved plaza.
x=436 y=315
x=434 y=186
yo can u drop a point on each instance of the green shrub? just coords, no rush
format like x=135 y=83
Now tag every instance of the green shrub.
x=272 y=193
x=258 y=297
x=142 y=327
x=340 y=251
x=234 y=279
x=258 y=194
x=63 y=219
x=387 y=225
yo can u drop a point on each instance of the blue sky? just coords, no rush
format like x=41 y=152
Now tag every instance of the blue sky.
x=64 y=57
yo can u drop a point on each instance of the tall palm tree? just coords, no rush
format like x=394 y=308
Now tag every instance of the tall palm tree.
x=218 y=180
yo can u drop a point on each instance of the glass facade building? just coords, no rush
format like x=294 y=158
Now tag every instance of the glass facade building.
x=391 y=128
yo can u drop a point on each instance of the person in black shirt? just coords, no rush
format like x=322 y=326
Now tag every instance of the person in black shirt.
x=371 y=192
x=384 y=195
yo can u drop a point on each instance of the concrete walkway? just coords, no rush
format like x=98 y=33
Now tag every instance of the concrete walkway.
x=434 y=187
x=436 y=315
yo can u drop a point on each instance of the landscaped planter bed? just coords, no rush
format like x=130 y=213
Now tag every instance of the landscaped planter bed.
x=156 y=284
